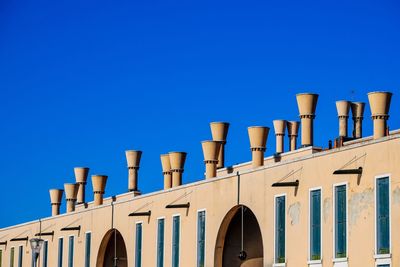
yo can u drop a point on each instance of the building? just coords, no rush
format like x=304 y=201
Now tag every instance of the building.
x=305 y=207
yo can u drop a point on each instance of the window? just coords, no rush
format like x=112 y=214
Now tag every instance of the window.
x=175 y=241
x=160 y=242
x=1 y=258
x=382 y=216
x=340 y=222
x=45 y=252
x=315 y=224
x=138 y=253
x=280 y=229
x=201 y=235
x=20 y=254
x=71 y=251
x=60 y=251
x=88 y=241
x=12 y=257
x=383 y=265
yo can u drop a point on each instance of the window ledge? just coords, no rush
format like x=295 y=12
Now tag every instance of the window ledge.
x=279 y=264
x=311 y=262
x=340 y=259
x=382 y=256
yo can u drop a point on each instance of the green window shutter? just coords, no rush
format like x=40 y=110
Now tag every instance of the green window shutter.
x=71 y=251
x=1 y=258
x=315 y=220
x=383 y=223
x=138 y=253
x=88 y=244
x=280 y=229
x=175 y=241
x=12 y=257
x=160 y=243
x=201 y=225
x=20 y=254
x=60 y=252
x=340 y=221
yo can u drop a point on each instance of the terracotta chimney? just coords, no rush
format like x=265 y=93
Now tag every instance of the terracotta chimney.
x=357 y=110
x=211 y=152
x=177 y=160
x=166 y=168
x=81 y=174
x=280 y=128
x=71 y=192
x=99 y=186
x=133 y=160
x=379 y=103
x=343 y=108
x=219 y=132
x=258 y=139
x=55 y=199
x=293 y=131
x=307 y=104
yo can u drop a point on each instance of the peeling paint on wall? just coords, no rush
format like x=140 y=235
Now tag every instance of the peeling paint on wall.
x=294 y=213
x=327 y=208
x=396 y=196
x=358 y=203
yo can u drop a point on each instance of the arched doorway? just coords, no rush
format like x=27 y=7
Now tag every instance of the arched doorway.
x=112 y=246
x=230 y=240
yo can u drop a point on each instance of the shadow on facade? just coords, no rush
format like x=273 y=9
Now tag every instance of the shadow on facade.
x=112 y=251
x=230 y=240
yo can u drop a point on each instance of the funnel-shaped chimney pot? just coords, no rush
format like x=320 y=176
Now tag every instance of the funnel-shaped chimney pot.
x=166 y=168
x=81 y=174
x=55 y=199
x=380 y=104
x=280 y=128
x=307 y=104
x=357 y=110
x=219 y=132
x=133 y=159
x=343 y=108
x=177 y=160
x=99 y=187
x=258 y=139
x=211 y=153
x=71 y=192
x=293 y=132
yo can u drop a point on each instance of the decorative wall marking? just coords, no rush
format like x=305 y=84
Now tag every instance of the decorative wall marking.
x=396 y=196
x=327 y=209
x=294 y=213
x=358 y=203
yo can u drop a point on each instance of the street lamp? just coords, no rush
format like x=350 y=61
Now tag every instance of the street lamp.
x=36 y=245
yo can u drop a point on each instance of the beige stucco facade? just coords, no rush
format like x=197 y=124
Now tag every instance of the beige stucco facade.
x=223 y=196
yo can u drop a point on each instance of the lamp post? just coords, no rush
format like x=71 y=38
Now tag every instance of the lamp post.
x=36 y=245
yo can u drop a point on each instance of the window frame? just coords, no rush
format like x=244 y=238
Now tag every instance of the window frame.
x=45 y=263
x=381 y=259
x=69 y=251
x=310 y=261
x=172 y=239
x=277 y=264
x=157 y=235
x=60 y=252
x=20 y=256
x=197 y=235
x=89 y=259
x=344 y=259
x=141 y=243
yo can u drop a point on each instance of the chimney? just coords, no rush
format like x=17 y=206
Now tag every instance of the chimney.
x=81 y=174
x=379 y=103
x=71 y=192
x=133 y=160
x=166 y=168
x=343 y=108
x=307 y=104
x=357 y=110
x=55 y=199
x=280 y=128
x=258 y=139
x=219 y=132
x=211 y=153
x=293 y=131
x=99 y=186
x=177 y=160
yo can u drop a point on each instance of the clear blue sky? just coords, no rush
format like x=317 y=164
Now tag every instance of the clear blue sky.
x=82 y=81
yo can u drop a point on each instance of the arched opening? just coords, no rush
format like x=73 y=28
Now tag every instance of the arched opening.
x=112 y=251
x=239 y=231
